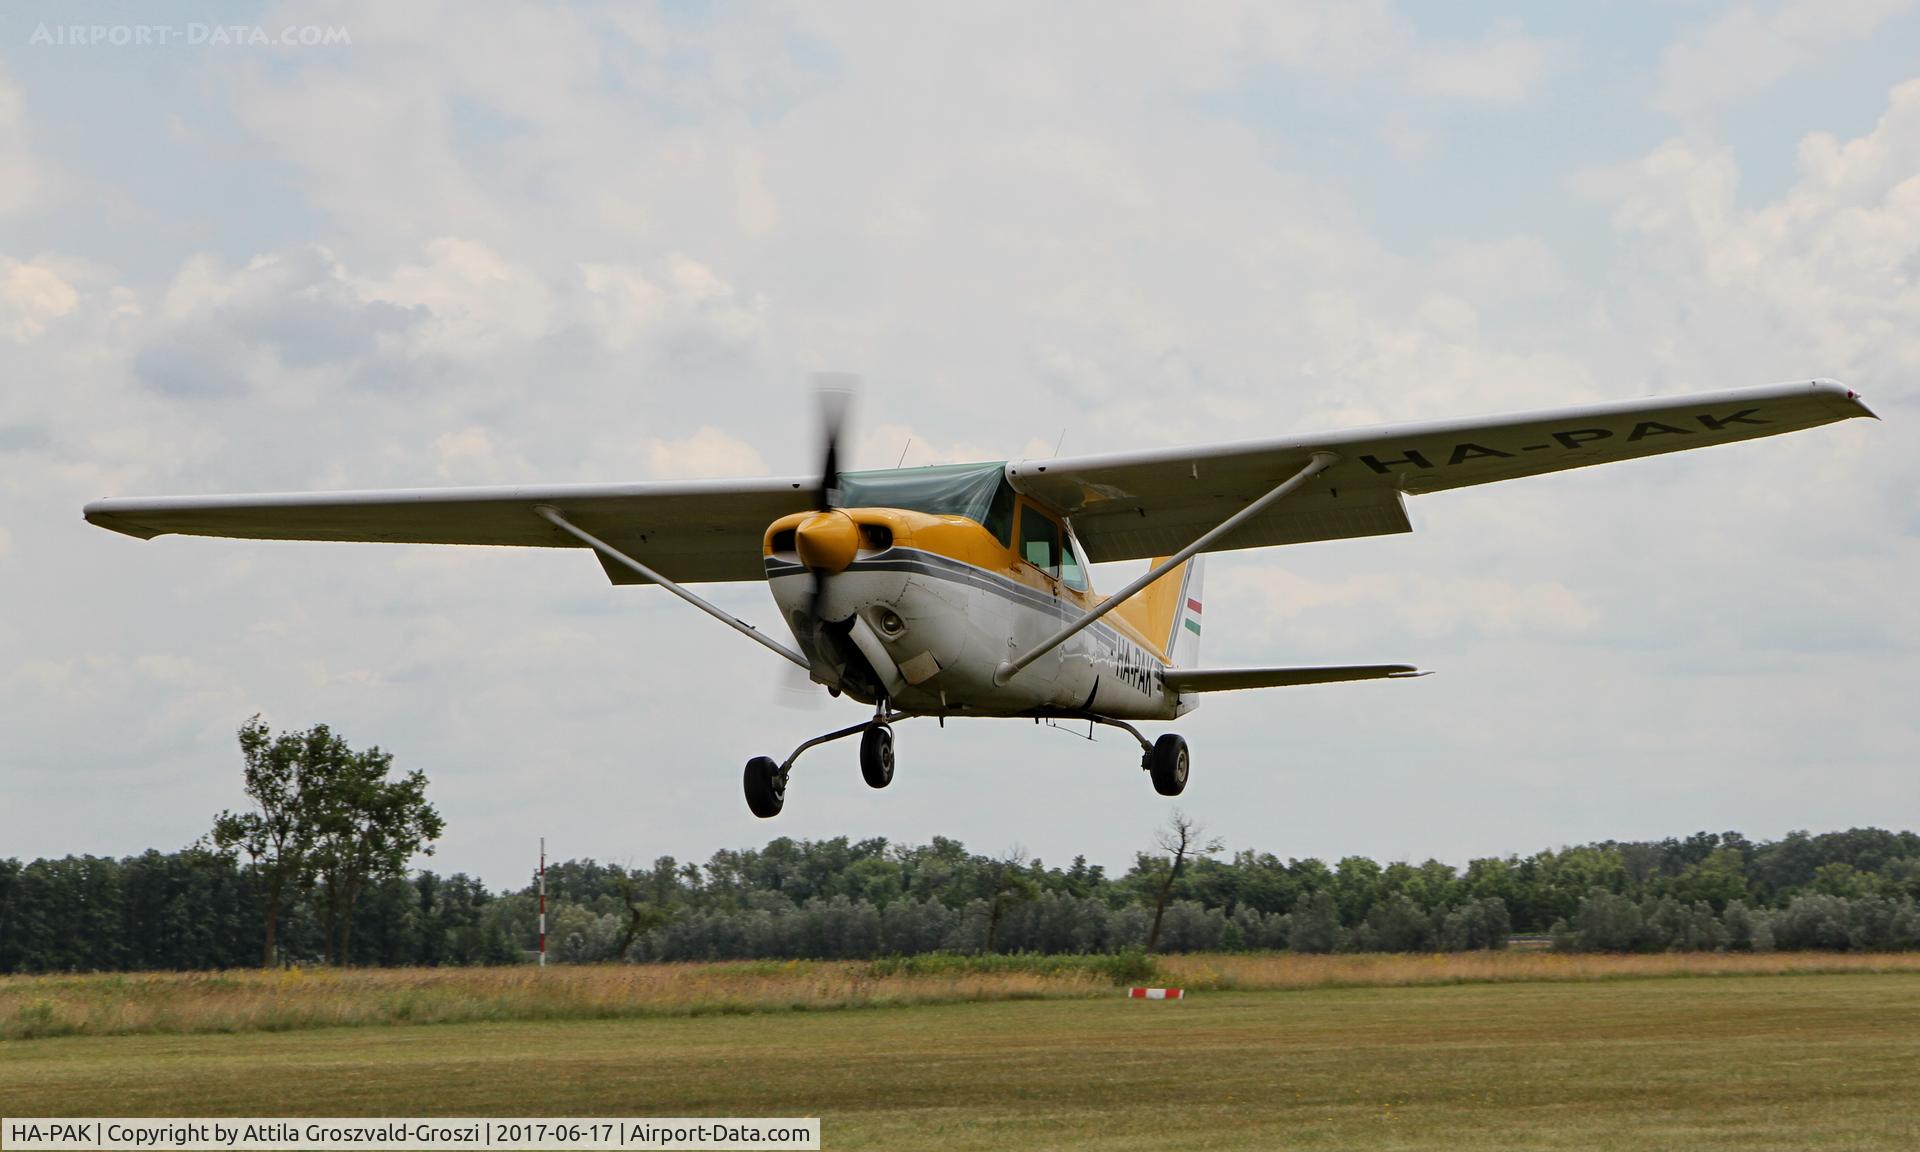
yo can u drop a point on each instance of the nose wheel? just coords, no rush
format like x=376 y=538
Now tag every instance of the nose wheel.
x=766 y=786
x=766 y=781
x=876 y=756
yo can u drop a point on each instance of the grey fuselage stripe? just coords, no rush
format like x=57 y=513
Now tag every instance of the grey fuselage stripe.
x=946 y=568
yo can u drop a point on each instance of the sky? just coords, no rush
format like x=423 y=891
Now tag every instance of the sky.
x=351 y=245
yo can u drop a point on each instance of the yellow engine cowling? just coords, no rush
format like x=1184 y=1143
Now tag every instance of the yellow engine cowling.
x=827 y=541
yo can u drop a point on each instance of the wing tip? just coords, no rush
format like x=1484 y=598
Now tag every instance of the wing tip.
x=1847 y=396
x=100 y=514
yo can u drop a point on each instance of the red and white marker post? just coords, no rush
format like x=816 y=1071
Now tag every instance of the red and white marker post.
x=543 y=901
x=1156 y=993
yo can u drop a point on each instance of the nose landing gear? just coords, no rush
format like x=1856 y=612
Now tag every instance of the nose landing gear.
x=876 y=756
x=766 y=782
x=766 y=786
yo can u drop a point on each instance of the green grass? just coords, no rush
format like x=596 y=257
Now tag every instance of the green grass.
x=1746 y=1062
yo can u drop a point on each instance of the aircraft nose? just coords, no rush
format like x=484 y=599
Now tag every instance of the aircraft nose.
x=827 y=541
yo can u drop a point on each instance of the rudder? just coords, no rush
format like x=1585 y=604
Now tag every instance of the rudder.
x=1167 y=613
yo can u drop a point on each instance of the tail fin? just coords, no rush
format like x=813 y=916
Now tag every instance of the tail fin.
x=1183 y=650
x=1167 y=613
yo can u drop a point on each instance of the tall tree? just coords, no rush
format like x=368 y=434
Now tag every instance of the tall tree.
x=277 y=836
x=322 y=814
x=1180 y=839
x=367 y=827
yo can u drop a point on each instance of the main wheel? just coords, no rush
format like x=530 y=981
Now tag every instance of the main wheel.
x=766 y=789
x=1168 y=764
x=876 y=756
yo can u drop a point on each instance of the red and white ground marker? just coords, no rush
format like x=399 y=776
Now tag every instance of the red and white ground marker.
x=1154 y=993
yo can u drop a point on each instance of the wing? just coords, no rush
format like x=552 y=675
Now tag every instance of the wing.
x=689 y=531
x=1234 y=679
x=1125 y=506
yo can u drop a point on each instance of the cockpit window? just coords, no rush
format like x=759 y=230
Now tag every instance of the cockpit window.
x=1040 y=540
x=970 y=490
x=1073 y=566
x=999 y=519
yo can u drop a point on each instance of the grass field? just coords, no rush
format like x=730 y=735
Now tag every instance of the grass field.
x=1730 y=1061
x=37 y=1007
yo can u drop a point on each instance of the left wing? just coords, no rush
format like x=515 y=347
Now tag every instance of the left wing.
x=687 y=531
x=1128 y=505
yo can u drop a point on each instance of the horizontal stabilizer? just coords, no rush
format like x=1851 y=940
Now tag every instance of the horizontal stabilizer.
x=1232 y=679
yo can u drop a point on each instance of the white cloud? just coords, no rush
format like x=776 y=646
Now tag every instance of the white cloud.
x=477 y=300
x=31 y=297
x=707 y=453
x=1748 y=49
x=1505 y=68
x=1818 y=281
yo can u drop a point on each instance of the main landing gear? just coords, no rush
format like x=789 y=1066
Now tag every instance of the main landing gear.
x=1164 y=759
x=766 y=782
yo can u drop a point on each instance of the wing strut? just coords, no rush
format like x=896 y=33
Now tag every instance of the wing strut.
x=1320 y=462
x=552 y=516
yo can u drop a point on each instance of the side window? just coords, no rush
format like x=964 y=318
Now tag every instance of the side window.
x=1073 y=566
x=1039 y=540
x=999 y=519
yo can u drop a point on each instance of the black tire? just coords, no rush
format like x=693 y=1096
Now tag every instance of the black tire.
x=1168 y=764
x=876 y=756
x=766 y=790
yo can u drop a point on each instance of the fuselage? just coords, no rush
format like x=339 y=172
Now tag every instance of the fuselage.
x=929 y=605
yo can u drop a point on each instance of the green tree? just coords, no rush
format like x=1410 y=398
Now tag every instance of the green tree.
x=1008 y=885
x=277 y=835
x=368 y=827
x=323 y=814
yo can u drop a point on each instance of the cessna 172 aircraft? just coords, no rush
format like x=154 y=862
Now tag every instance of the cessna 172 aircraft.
x=963 y=590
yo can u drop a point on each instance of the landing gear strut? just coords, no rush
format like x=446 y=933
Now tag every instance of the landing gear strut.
x=1165 y=759
x=766 y=781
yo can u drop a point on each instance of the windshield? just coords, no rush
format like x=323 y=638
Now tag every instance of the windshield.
x=943 y=490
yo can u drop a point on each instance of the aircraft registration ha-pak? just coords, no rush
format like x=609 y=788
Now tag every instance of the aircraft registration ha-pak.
x=963 y=590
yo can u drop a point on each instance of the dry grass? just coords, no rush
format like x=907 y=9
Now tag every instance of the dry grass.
x=1281 y=970
x=295 y=998
x=249 y=1001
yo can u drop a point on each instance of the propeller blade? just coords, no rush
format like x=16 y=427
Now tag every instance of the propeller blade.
x=835 y=390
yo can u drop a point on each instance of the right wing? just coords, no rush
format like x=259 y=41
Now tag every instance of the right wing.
x=1233 y=679
x=1125 y=506
x=687 y=531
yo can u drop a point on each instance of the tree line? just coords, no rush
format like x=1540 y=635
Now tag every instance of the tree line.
x=315 y=870
x=202 y=908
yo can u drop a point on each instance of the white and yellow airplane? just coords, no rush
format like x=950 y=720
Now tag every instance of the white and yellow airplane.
x=963 y=590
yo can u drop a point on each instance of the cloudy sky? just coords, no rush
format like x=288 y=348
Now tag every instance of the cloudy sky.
x=483 y=243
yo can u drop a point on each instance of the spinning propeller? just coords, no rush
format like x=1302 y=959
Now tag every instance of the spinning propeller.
x=828 y=540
